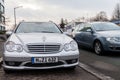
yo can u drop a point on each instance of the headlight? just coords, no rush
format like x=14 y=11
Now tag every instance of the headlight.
x=11 y=47
x=71 y=46
x=113 y=39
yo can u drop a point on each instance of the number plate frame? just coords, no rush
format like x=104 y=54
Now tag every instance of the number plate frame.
x=44 y=60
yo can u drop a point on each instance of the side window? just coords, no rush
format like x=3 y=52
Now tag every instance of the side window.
x=87 y=28
x=76 y=28
x=80 y=28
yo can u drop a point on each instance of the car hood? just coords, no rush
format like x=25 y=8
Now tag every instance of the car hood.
x=27 y=38
x=115 y=33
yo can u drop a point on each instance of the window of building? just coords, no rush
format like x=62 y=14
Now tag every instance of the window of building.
x=3 y=0
x=2 y=10
x=2 y=19
x=2 y=28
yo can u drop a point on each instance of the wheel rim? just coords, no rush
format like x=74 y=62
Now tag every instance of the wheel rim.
x=97 y=48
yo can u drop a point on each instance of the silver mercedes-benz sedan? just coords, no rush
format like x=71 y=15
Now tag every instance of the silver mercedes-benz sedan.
x=39 y=45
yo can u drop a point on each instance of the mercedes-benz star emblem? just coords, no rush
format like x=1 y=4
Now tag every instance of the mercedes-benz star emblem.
x=44 y=39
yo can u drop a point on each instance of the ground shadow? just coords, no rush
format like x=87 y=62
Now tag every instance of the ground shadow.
x=42 y=72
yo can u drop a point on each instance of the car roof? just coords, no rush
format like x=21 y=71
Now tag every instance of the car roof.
x=92 y=23
x=36 y=22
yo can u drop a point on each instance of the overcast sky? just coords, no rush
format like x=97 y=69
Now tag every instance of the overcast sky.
x=45 y=10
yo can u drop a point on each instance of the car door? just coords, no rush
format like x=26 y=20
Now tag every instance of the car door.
x=88 y=35
x=79 y=34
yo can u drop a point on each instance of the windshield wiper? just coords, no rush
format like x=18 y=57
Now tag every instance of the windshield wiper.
x=47 y=32
x=101 y=30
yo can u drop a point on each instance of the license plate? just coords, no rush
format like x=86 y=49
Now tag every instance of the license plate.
x=45 y=60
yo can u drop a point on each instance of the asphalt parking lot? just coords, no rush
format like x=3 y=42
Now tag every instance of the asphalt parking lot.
x=52 y=74
x=108 y=64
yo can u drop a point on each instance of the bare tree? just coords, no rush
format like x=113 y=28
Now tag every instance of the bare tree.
x=101 y=16
x=62 y=24
x=116 y=13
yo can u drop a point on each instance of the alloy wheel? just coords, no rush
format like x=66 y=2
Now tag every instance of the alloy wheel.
x=98 y=48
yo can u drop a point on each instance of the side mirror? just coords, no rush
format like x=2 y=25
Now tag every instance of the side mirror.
x=89 y=30
x=67 y=33
x=8 y=33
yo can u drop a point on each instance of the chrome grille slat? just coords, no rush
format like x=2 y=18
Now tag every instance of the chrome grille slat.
x=45 y=47
x=51 y=48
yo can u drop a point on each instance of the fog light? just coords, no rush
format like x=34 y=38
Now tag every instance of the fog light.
x=12 y=63
x=74 y=61
x=71 y=61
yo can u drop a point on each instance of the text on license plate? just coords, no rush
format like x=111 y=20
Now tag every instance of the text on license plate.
x=45 y=60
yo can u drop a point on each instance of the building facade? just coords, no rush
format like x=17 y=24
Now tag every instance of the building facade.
x=2 y=12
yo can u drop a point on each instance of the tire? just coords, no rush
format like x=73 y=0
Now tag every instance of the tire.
x=98 y=48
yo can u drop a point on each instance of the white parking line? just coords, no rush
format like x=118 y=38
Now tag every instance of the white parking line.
x=94 y=72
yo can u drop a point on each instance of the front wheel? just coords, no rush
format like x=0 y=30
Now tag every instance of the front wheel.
x=98 y=48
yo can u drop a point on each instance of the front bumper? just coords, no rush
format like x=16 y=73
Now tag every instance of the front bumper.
x=28 y=68
x=21 y=63
x=114 y=47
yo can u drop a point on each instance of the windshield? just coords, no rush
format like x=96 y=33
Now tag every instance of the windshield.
x=37 y=27
x=106 y=27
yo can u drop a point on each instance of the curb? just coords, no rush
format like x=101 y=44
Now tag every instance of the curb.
x=94 y=72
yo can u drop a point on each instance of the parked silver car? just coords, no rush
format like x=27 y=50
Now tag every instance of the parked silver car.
x=39 y=45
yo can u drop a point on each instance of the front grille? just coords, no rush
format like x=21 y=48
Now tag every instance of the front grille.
x=43 y=48
x=44 y=64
